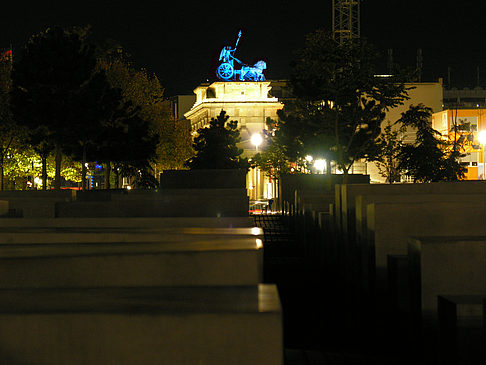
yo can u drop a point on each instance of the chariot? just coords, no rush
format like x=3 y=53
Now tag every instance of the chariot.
x=227 y=71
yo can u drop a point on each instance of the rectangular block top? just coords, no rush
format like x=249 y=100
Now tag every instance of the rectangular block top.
x=464 y=299
x=98 y=234
x=444 y=240
x=262 y=298
x=121 y=248
x=156 y=222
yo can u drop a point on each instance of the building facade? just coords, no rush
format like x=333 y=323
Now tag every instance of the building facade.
x=468 y=139
x=429 y=94
x=251 y=104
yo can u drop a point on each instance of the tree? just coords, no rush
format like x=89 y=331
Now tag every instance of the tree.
x=339 y=102
x=388 y=147
x=142 y=97
x=48 y=78
x=100 y=103
x=215 y=146
x=7 y=126
x=175 y=146
x=272 y=160
x=429 y=158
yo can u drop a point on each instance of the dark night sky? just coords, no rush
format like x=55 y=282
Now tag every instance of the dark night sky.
x=179 y=40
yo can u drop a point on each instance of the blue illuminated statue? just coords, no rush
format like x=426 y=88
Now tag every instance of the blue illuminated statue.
x=227 y=71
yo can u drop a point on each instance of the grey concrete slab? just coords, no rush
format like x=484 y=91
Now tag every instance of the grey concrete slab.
x=194 y=261
x=313 y=200
x=131 y=222
x=461 y=329
x=390 y=224
x=38 y=194
x=36 y=203
x=203 y=178
x=442 y=266
x=76 y=234
x=349 y=192
x=362 y=201
x=122 y=326
x=3 y=207
x=398 y=283
x=170 y=206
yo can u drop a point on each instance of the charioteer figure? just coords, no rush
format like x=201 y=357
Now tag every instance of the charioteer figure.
x=226 y=70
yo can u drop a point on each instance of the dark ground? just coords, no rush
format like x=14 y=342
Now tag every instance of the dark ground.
x=319 y=327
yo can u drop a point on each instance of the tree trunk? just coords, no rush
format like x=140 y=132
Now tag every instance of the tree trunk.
x=57 y=178
x=44 y=172
x=83 y=170
x=117 y=178
x=107 y=175
x=346 y=174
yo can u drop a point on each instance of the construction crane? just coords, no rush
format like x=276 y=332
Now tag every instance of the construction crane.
x=345 y=20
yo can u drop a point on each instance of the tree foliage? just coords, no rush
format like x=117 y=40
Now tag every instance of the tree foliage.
x=388 y=147
x=429 y=158
x=175 y=146
x=48 y=78
x=339 y=102
x=215 y=146
x=85 y=101
x=272 y=159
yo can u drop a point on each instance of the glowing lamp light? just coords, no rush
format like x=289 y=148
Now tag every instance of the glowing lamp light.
x=256 y=231
x=256 y=139
x=319 y=165
x=309 y=158
x=259 y=243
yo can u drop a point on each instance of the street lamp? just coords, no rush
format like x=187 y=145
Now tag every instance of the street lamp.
x=319 y=165
x=482 y=141
x=256 y=140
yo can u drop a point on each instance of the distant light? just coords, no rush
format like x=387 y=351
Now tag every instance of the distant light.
x=259 y=243
x=319 y=165
x=129 y=187
x=256 y=139
x=309 y=158
x=256 y=231
x=482 y=137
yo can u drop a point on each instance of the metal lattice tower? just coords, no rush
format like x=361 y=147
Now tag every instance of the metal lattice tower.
x=345 y=20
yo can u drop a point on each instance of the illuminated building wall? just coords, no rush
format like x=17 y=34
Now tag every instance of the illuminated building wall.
x=250 y=104
x=428 y=93
x=474 y=159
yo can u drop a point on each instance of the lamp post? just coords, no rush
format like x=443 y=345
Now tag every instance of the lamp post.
x=482 y=141
x=256 y=140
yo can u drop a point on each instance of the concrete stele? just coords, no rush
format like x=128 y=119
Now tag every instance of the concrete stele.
x=461 y=329
x=194 y=260
x=444 y=266
x=148 y=326
x=390 y=224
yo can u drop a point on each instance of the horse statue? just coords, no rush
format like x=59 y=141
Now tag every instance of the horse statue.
x=253 y=73
x=226 y=70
